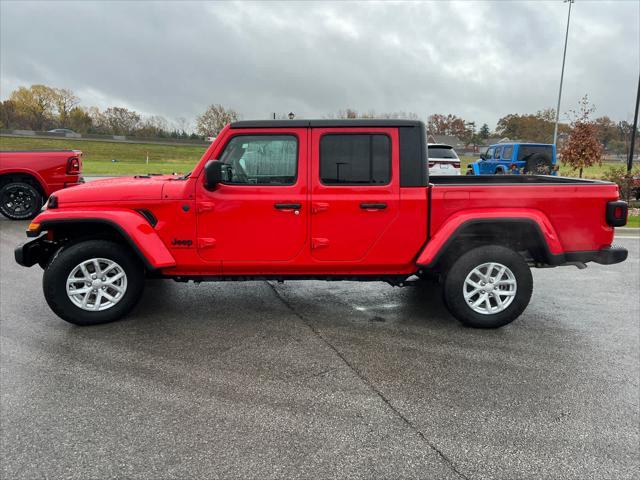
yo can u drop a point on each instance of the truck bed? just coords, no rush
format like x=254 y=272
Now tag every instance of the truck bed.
x=575 y=207
x=510 y=180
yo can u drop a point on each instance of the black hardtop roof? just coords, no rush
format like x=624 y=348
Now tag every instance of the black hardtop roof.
x=377 y=122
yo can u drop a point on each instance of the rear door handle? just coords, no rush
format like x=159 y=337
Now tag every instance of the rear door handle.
x=287 y=206
x=373 y=206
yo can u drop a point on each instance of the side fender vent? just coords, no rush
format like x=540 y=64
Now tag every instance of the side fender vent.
x=149 y=217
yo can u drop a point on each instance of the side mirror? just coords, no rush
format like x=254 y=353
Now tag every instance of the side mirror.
x=483 y=156
x=212 y=174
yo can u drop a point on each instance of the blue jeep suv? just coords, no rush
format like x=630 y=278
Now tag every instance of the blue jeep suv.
x=516 y=158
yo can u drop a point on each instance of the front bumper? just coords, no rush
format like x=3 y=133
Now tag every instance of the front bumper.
x=35 y=251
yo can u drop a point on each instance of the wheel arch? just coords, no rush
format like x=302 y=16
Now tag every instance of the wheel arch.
x=141 y=239
x=32 y=177
x=521 y=234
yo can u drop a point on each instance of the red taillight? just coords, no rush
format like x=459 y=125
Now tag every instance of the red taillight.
x=618 y=213
x=73 y=166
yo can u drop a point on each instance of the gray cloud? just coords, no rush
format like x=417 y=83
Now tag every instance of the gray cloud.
x=480 y=60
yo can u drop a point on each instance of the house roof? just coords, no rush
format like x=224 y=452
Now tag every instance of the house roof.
x=445 y=139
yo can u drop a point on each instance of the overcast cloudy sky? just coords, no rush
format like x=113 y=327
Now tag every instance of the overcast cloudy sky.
x=480 y=60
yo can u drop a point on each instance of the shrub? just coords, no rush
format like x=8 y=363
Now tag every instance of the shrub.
x=624 y=180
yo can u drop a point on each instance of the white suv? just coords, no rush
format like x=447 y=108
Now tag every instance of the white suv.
x=443 y=160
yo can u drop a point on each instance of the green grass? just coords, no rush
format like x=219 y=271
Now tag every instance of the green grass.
x=97 y=155
x=633 y=222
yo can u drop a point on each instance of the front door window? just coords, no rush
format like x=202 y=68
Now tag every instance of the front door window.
x=260 y=160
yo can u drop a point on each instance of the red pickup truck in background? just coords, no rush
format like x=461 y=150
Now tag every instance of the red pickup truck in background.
x=27 y=178
x=320 y=199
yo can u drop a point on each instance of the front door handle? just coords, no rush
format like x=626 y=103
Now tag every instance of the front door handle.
x=373 y=206
x=287 y=206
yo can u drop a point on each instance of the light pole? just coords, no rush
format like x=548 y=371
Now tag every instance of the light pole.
x=633 y=132
x=564 y=56
x=472 y=126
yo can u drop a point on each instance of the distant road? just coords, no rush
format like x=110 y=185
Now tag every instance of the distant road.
x=107 y=138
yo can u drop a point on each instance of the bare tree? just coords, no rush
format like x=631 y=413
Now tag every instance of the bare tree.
x=350 y=113
x=153 y=126
x=121 y=121
x=182 y=125
x=65 y=101
x=214 y=119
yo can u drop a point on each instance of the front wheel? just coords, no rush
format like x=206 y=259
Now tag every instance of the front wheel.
x=488 y=287
x=93 y=282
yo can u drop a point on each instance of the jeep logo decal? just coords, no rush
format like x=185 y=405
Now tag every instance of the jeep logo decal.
x=177 y=242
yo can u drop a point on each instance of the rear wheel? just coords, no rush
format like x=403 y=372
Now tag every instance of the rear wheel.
x=488 y=287
x=93 y=282
x=19 y=200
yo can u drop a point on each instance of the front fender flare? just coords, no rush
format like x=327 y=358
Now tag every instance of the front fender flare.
x=457 y=222
x=133 y=227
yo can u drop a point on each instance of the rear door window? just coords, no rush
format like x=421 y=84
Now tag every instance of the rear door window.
x=355 y=159
x=506 y=154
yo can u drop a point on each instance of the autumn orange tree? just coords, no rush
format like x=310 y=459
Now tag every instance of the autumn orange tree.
x=582 y=149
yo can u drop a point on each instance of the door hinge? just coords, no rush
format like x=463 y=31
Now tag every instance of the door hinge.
x=319 y=243
x=317 y=207
x=205 y=207
x=206 y=242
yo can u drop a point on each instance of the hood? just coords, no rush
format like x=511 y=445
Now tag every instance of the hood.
x=119 y=189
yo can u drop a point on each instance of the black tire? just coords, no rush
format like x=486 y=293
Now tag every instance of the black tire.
x=538 y=164
x=454 y=284
x=499 y=171
x=20 y=200
x=58 y=270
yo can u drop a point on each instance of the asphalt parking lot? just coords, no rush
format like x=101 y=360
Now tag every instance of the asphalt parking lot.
x=320 y=380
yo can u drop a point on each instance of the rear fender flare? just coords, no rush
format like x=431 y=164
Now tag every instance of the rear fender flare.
x=131 y=225
x=33 y=175
x=456 y=224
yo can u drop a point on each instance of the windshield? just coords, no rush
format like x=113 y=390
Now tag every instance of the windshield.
x=442 y=152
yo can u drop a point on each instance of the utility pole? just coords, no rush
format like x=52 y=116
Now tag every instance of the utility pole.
x=564 y=56
x=633 y=132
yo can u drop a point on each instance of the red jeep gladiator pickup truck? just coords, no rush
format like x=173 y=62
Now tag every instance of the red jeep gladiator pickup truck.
x=319 y=199
x=29 y=177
